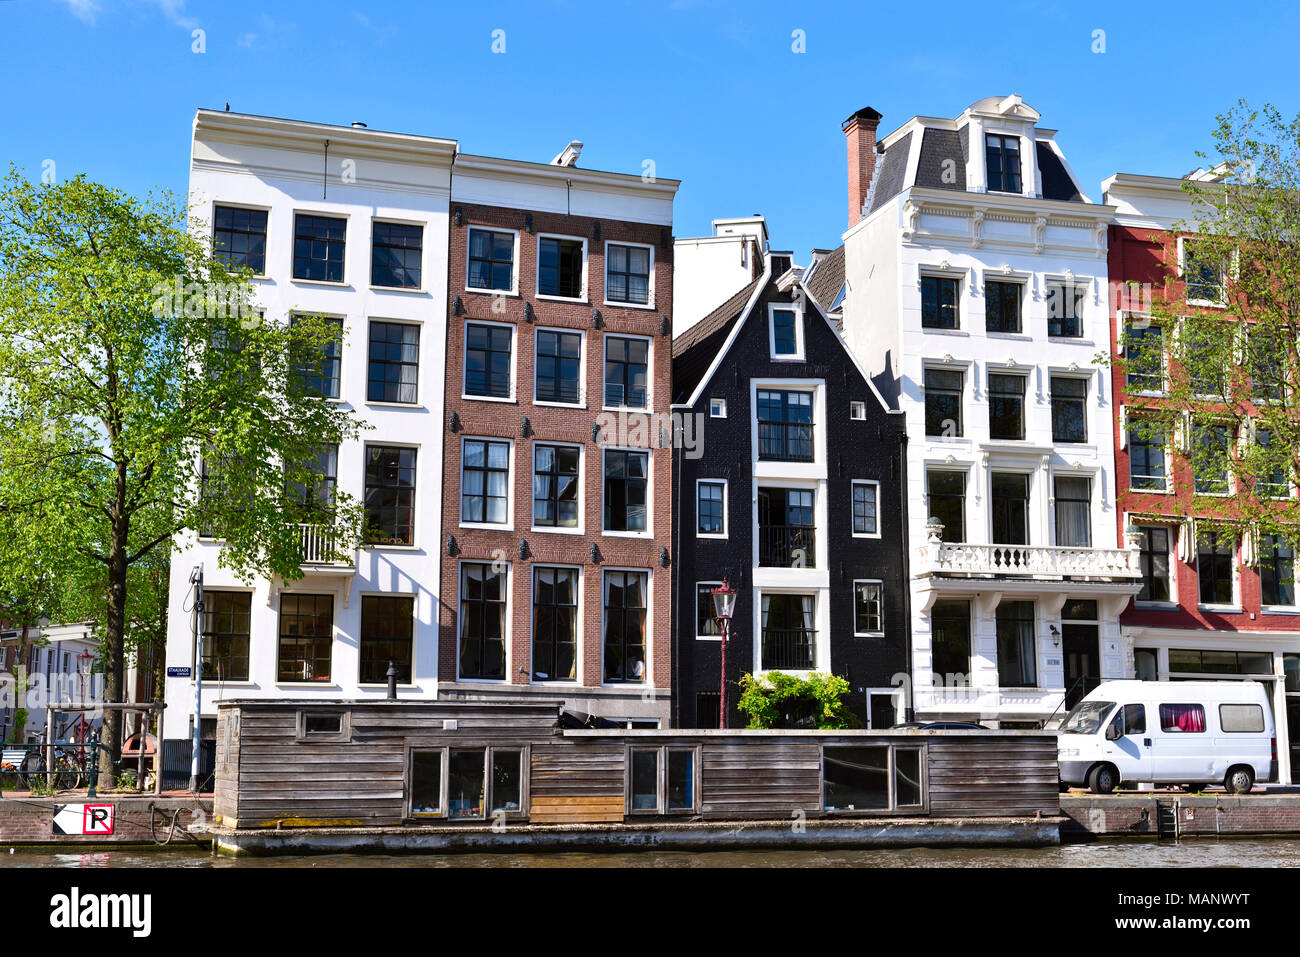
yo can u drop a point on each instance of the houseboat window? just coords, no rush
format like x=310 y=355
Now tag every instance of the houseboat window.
x=1241 y=718
x=907 y=777
x=681 y=780
x=426 y=784
x=507 y=778
x=645 y=779
x=856 y=779
x=465 y=784
x=322 y=723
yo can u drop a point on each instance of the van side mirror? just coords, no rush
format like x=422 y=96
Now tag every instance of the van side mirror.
x=1112 y=731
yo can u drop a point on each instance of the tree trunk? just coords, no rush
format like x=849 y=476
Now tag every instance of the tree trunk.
x=114 y=632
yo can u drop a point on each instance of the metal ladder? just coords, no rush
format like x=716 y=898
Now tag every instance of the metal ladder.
x=1167 y=819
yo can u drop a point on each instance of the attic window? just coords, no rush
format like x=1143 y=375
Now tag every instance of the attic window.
x=785 y=333
x=1003 y=155
x=857 y=410
x=718 y=408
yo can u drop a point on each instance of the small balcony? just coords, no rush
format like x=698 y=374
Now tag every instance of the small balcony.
x=785 y=442
x=1028 y=561
x=787 y=546
x=319 y=548
x=789 y=649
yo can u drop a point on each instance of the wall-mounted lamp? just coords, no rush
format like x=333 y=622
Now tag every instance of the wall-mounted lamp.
x=1056 y=635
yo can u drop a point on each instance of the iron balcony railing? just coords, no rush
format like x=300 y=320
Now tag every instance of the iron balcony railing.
x=785 y=441
x=787 y=546
x=319 y=546
x=789 y=649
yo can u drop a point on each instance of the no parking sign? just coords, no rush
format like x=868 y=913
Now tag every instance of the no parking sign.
x=83 y=819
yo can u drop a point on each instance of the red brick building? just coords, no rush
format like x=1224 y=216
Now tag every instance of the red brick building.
x=557 y=499
x=1218 y=598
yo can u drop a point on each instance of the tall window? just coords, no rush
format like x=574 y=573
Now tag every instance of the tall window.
x=1065 y=309
x=1003 y=156
x=316 y=500
x=950 y=641
x=710 y=511
x=559 y=355
x=625 y=625
x=319 y=375
x=482 y=620
x=390 y=495
x=226 y=629
x=1010 y=508
x=1276 y=570
x=1002 y=306
x=1153 y=555
x=627 y=274
x=784 y=334
x=394 y=369
x=485 y=482
x=1204 y=346
x=1202 y=273
x=1146 y=460
x=1265 y=357
x=786 y=528
x=239 y=238
x=947 y=501
x=789 y=632
x=864 y=508
x=626 y=372
x=1069 y=409
x=943 y=392
x=1145 y=359
x=1215 y=552
x=555 y=486
x=306 y=636
x=1073 y=511
x=785 y=426
x=395 y=255
x=487 y=360
x=560 y=267
x=625 y=490
x=939 y=302
x=868 y=607
x=1271 y=475
x=491 y=260
x=1210 y=463
x=707 y=624
x=555 y=623
x=387 y=632
x=1017 y=657
x=318 y=247
x=1006 y=406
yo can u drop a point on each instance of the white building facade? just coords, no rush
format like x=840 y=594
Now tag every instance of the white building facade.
x=975 y=293
x=350 y=223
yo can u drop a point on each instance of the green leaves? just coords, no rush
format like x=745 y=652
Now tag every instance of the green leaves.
x=778 y=700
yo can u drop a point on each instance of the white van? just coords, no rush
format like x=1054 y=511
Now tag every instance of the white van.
x=1191 y=733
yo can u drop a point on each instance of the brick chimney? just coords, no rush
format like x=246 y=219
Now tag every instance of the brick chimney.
x=860 y=132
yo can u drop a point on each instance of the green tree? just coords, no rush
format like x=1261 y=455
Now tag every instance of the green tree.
x=1213 y=375
x=142 y=395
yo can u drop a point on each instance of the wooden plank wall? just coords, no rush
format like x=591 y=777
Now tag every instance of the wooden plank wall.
x=993 y=776
x=577 y=781
x=224 y=806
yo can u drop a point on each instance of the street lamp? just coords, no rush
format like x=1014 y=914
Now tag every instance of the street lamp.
x=724 y=606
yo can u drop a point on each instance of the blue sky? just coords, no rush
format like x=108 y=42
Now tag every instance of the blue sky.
x=711 y=91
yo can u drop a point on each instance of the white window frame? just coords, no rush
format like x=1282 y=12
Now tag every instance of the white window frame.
x=650 y=284
x=726 y=527
x=514 y=362
x=514 y=264
x=899 y=702
x=509 y=630
x=1131 y=322
x=419 y=377
x=343 y=349
x=720 y=405
x=868 y=634
x=647 y=680
x=266 y=258
x=1182 y=274
x=649 y=494
x=510 y=484
x=1171 y=557
x=577 y=680
x=772 y=309
x=424 y=228
x=698 y=637
x=582 y=488
x=857 y=411
x=582 y=367
x=537 y=269
x=1235 y=607
x=854 y=484
x=1082 y=284
x=649 y=372
x=293 y=232
x=416 y=496
x=1128 y=447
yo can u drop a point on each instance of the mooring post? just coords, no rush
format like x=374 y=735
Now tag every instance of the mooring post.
x=49 y=747
x=94 y=764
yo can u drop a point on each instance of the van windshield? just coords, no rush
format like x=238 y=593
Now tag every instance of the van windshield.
x=1086 y=717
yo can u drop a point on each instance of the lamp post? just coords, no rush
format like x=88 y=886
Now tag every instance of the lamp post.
x=85 y=661
x=724 y=606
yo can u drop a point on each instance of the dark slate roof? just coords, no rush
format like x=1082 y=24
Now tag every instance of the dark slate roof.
x=963 y=135
x=940 y=147
x=828 y=278
x=889 y=174
x=1056 y=181
x=695 y=349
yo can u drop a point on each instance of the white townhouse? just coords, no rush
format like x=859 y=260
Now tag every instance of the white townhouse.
x=351 y=223
x=975 y=293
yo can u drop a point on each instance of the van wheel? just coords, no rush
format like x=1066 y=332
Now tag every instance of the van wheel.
x=1102 y=779
x=1239 y=780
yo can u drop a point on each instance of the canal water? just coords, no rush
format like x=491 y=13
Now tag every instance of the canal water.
x=1115 y=854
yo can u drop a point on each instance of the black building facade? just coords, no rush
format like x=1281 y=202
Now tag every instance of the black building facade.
x=794 y=496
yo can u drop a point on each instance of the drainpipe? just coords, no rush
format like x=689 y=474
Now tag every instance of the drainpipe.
x=674 y=665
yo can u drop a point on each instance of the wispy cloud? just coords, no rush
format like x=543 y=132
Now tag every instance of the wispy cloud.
x=84 y=10
x=174 y=10
x=268 y=30
x=381 y=32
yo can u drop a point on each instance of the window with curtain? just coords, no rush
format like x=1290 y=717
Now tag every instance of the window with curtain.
x=1073 y=511
x=485 y=479
x=1017 y=657
x=1214 y=560
x=625 y=626
x=482 y=621
x=788 y=631
x=950 y=640
x=555 y=623
x=1188 y=718
x=1276 y=570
